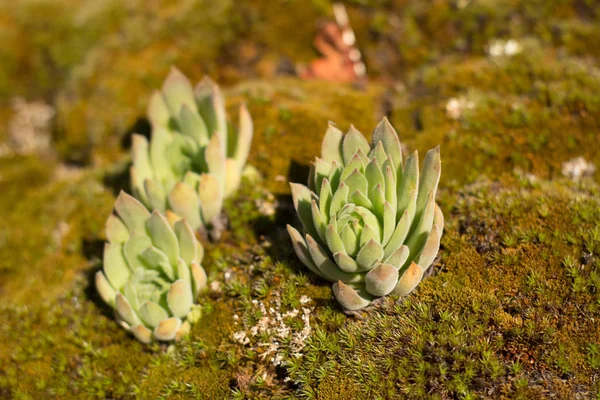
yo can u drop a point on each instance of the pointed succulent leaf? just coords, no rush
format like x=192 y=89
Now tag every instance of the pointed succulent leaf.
x=156 y=194
x=132 y=212
x=134 y=246
x=389 y=223
x=398 y=257
x=125 y=311
x=177 y=91
x=192 y=125
x=356 y=181
x=184 y=201
x=334 y=242
x=381 y=280
x=369 y=255
x=353 y=141
x=131 y=295
x=158 y=111
x=361 y=200
x=374 y=175
x=430 y=177
x=340 y=198
x=210 y=193
x=140 y=156
x=163 y=236
x=198 y=277
x=302 y=203
x=301 y=249
x=188 y=244
x=390 y=186
x=379 y=201
x=345 y=262
x=399 y=234
x=167 y=329
x=420 y=231
x=215 y=158
x=212 y=108
x=116 y=231
x=142 y=333
x=386 y=134
x=158 y=260
x=233 y=177
x=151 y=314
x=326 y=266
x=378 y=153
x=349 y=239
x=244 y=138
x=438 y=219
x=107 y=292
x=161 y=139
x=409 y=181
x=355 y=163
x=349 y=298
x=183 y=272
x=331 y=147
x=409 y=279
x=334 y=175
x=321 y=171
x=179 y=298
x=115 y=265
x=430 y=249
x=325 y=197
x=318 y=221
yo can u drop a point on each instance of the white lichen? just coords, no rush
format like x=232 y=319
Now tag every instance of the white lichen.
x=456 y=106
x=504 y=48
x=577 y=168
x=29 y=128
x=273 y=335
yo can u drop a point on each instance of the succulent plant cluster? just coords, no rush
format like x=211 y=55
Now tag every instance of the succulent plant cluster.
x=371 y=223
x=193 y=161
x=152 y=273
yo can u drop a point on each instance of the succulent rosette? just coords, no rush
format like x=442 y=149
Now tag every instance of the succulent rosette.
x=152 y=273
x=193 y=160
x=371 y=223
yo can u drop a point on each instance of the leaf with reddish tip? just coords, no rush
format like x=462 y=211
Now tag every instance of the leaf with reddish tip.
x=179 y=298
x=105 y=289
x=184 y=201
x=409 y=279
x=125 y=310
x=381 y=280
x=198 y=277
x=210 y=193
x=167 y=329
x=348 y=297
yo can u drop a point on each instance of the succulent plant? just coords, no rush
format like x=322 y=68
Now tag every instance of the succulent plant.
x=192 y=162
x=152 y=273
x=371 y=224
